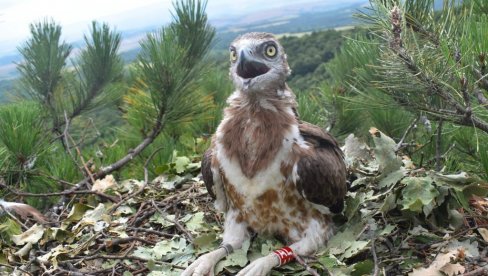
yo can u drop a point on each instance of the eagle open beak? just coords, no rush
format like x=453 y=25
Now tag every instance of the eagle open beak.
x=248 y=68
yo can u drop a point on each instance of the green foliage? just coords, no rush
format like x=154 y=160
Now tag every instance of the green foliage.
x=99 y=65
x=414 y=207
x=167 y=93
x=25 y=150
x=418 y=209
x=311 y=108
x=424 y=65
x=45 y=77
x=23 y=140
x=307 y=55
x=44 y=58
x=8 y=228
x=169 y=71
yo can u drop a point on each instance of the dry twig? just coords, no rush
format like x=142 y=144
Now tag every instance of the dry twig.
x=146 y=181
x=310 y=270
x=175 y=222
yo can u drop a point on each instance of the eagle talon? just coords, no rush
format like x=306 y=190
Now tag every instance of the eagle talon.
x=260 y=267
x=204 y=265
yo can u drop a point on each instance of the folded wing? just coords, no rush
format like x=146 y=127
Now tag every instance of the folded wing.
x=322 y=173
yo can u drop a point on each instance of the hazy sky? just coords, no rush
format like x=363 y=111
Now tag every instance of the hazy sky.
x=76 y=15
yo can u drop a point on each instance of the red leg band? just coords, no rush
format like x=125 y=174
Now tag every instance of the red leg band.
x=285 y=255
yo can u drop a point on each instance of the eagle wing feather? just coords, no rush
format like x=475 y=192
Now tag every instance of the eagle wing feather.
x=322 y=173
x=206 y=170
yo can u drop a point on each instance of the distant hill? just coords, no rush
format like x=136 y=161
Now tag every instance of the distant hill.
x=292 y=22
x=289 y=18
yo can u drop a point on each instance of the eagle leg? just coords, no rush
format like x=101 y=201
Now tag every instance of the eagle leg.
x=314 y=238
x=235 y=233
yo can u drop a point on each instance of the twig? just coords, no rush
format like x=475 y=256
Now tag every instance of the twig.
x=310 y=270
x=482 y=83
x=466 y=96
x=88 y=172
x=16 y=267
x=410 y=127
x=477 y=271
x=438 y=144
x=150 y=231
x=116 y=257
x=482 y=79
x=100 y=194
x=66 y=142
x=146 y=181
x=176 y=223
x=72 y=272
x=127 y=240
x=481 y=98
x=375 y=258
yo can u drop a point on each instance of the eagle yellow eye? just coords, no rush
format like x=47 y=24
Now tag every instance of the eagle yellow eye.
x=270 y=51
x=233 y=55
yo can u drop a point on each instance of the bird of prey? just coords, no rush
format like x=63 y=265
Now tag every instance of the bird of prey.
x=268 y=171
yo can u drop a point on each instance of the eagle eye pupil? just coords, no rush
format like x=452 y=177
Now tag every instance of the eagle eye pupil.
x=233 y=55
x=271 y=51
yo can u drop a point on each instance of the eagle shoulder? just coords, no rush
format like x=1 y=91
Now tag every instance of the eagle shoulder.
x=321 y=172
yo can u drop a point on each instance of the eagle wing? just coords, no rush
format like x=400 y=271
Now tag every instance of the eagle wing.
x=207 y=171
x=212 y=178
x=321 y=173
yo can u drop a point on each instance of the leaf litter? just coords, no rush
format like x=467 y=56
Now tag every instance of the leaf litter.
x=398 y=220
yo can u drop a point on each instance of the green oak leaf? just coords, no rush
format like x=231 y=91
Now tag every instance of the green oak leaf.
x=418 y=193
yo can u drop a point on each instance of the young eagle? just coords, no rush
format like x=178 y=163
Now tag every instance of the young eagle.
x=269 y=172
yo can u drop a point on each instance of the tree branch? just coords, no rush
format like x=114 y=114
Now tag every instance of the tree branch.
x=127 y=158
x=438 y=145
x=483 y=84
x=410 y=127
x=464 y=115
x=100 y=194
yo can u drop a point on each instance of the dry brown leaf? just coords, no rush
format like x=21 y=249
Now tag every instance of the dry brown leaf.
x=453 y=269
x=101 y=185
x=24 y=211
x=441 y=262
x=484 y=233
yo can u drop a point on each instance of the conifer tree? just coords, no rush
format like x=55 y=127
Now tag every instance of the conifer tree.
x=426 y=63
x=168 y=71
x=48 y=78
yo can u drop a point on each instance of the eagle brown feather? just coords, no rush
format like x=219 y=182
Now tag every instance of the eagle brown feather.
x=322 y=175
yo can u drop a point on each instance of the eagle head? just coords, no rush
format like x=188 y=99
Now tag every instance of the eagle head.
x=258 y=62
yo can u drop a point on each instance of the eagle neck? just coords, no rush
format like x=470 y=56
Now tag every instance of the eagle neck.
x=254 y=128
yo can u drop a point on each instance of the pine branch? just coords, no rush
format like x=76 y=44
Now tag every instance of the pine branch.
x=463 y=116
x=170 y=64
x=483 y=84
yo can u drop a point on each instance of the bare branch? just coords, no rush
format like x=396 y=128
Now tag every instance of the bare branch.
x=127 y=158
x=410 y=127
x=438 y=145
x=175 y=221
x=100 y=194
